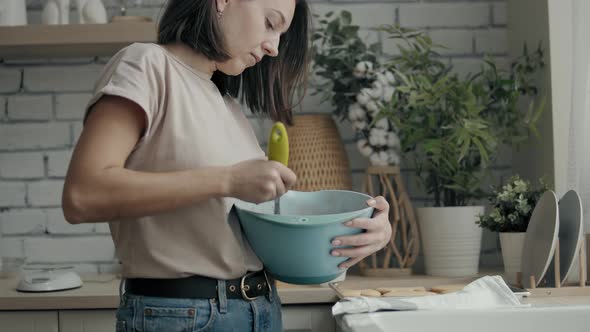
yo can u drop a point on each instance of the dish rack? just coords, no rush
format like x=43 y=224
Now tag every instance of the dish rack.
x=558 y=290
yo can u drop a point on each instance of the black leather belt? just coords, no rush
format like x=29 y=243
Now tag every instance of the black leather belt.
x=248 y=287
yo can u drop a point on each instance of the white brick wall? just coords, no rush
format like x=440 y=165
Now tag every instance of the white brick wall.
x=23 y=222
x=45 y=193
x=71 y=106
x=42 y=101
x=69 y=249
x=31 y=136
x=57 y=163
x=364 y=15
x=458 y=42
x=61 y=79
x=57 y=224
x=22 y=165
x=12 y=247
x=499 y=15
x=76 y=131
x=10 y=80
x=444 y=15
x=492 y=41
x=102 y=228
x=30 y=107
x=3 y=108
x=12 y=194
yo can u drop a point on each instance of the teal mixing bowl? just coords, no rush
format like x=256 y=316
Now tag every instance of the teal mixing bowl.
x=295 y=246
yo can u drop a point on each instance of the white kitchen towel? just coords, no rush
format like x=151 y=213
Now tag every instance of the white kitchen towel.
x=484 y=293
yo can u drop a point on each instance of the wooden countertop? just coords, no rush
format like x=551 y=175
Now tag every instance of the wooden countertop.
x=102 y=292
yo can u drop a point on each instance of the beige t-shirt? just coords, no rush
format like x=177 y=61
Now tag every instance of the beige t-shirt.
x=190 y=125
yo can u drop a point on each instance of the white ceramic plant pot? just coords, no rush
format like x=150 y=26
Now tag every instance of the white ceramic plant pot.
x=451 y=240
x=511 y=244
x=13 y=12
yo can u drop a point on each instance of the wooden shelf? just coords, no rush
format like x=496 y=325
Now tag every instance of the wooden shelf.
x=72 y=40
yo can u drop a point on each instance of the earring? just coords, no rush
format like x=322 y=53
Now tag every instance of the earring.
x=219 y=14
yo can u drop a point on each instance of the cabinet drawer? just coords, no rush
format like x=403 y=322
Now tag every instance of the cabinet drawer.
x=87 y=320
x=305 y=318
x=28 y=321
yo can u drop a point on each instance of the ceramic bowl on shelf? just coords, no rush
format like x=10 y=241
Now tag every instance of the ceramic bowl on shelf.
x=295 y=245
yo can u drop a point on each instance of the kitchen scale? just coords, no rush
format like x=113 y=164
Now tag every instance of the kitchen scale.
x=36 y=280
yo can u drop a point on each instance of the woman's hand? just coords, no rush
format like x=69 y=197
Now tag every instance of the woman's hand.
x=377 y=235
x=259 y=180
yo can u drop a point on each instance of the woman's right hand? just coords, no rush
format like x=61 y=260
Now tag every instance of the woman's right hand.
x=259 y=180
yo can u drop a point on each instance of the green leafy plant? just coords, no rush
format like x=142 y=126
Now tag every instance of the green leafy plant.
x=453 y=126
x=337 y=50
x=351 y=78
x=512 y=206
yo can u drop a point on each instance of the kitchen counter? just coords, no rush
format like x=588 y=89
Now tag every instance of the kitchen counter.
x=102 y=292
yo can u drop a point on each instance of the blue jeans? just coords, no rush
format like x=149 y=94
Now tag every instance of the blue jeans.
x=138 y=313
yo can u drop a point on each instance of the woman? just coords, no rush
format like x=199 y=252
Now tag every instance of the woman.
x=165 y=150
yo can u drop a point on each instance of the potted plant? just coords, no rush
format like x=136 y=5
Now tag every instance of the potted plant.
x=341 y=60
x=452 y=128
x=511 y=209
x=356 y=85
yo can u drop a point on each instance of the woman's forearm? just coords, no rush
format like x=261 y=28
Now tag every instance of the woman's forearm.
x=117 y=192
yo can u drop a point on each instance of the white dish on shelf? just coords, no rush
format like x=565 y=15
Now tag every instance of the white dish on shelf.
x=540 y=239
x=571 y=233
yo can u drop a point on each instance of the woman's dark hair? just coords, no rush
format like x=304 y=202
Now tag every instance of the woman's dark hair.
x=268 y=87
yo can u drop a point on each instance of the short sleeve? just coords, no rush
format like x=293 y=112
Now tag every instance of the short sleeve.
x=132 y=73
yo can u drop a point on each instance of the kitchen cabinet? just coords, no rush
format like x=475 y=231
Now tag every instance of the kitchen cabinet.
x=308 y=318
x=29 y=321
x=86 y=320
x=296 y=318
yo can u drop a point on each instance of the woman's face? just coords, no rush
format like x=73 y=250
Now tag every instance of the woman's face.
x=252 y=30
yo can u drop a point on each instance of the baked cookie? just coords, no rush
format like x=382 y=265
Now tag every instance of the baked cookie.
x=408 y=293
x=443 y=289
x=385 y=290
x=370 y=293
x=351 y=292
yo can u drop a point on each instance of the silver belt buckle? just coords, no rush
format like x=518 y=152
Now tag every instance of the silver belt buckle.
x=244 y=288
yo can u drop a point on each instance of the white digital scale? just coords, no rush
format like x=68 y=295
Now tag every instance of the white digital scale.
x=48 y=280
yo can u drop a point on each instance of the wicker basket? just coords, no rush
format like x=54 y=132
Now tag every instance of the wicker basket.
x=317 y=154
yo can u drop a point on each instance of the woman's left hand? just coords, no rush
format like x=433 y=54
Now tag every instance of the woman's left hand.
x=377 y=235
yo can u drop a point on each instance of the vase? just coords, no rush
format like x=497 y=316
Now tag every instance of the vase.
x=56 y=12
x=13 y=12
x=317 y=154
x=512 y=244
x=91 y=11
x=451 y=240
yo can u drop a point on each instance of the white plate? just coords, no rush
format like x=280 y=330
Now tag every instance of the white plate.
x=571 y=232
x=540 y=239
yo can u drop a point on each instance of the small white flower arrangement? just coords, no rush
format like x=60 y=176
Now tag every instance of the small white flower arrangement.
x=377 y=140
